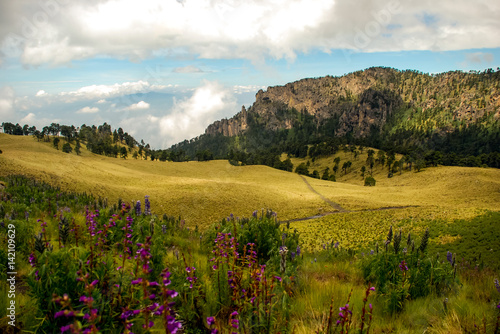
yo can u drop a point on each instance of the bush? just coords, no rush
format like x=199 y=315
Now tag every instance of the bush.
x=234 y=162
x=370 y=181
x=302 y=169
x=263 y=231
x=408 y=273
x=67 y=148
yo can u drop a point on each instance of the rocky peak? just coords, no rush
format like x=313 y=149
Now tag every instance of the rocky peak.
x=364 y=99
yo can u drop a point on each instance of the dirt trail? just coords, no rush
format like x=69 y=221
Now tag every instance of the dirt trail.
x=339 y=208
x=348 y=211
x=326 y=200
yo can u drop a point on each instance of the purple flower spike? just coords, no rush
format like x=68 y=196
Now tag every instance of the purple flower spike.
x=59 y=314
x=210 y=321
x=136 y=281
x=65 y=328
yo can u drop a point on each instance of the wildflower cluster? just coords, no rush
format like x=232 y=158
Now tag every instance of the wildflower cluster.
x=403 y=275
x=115 y=277
x=344 y=318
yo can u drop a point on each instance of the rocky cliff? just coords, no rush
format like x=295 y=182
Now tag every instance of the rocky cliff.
x=366 y=99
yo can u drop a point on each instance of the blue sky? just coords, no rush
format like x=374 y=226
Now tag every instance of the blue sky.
x=165 y=69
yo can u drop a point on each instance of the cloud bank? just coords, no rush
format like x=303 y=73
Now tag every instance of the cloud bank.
x=59 y=31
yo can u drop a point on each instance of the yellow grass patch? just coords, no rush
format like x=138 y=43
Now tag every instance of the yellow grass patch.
x=203 y=192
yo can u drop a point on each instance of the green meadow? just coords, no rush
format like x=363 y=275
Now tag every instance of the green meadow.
x=434 y=272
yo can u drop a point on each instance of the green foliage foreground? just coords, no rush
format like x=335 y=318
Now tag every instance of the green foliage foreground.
x=85 y=266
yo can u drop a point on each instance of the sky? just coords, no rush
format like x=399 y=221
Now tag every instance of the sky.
x=163 y=70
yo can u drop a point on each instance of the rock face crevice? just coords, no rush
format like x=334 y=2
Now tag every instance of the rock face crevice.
x=364 y=100
x=230 y=127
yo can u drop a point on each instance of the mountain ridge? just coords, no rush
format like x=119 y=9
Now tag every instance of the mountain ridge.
x=382 y=107
x=319 y=95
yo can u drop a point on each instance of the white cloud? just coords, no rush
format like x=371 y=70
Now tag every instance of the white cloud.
x=187 y=118
x=41 y=93
x=101 y=101
x=190 y=117
x=138 y=106
x=243 y=29
x=239 y=89
x=188 y=69
x=7 y=100
x=100 y=92
x=28 y=119
x=88 y=110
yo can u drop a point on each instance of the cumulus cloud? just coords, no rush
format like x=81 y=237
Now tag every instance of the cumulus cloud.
x=187 y=118
x=41 y=93
x=240 y=29
x=88 y=110
x=138 y=106
x=190 y=117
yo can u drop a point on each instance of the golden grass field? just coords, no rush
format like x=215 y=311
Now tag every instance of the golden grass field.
x=204 y=192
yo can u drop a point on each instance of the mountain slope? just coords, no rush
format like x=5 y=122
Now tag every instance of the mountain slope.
x=384 y=108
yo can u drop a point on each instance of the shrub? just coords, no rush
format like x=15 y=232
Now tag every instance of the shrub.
x=370 y=181
x=263 y=231
x=67 y=148
x=302 y=169
x=408 y=273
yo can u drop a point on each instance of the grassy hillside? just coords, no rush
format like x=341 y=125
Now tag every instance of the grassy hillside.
x=444 y=186
x=336 y=265
x=203 y=192
x=199 y=192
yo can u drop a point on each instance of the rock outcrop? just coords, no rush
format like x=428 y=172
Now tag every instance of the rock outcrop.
x=365 y=100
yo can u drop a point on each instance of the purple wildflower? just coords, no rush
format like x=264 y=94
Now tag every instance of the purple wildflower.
x=138 y=208
x=32 y=260
x=147 y=206
x=59 y=314
x=210 y=321
x=235 y=323
x=136 y=281
x=403 y=266
x=449 y=257
x=65 y=328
